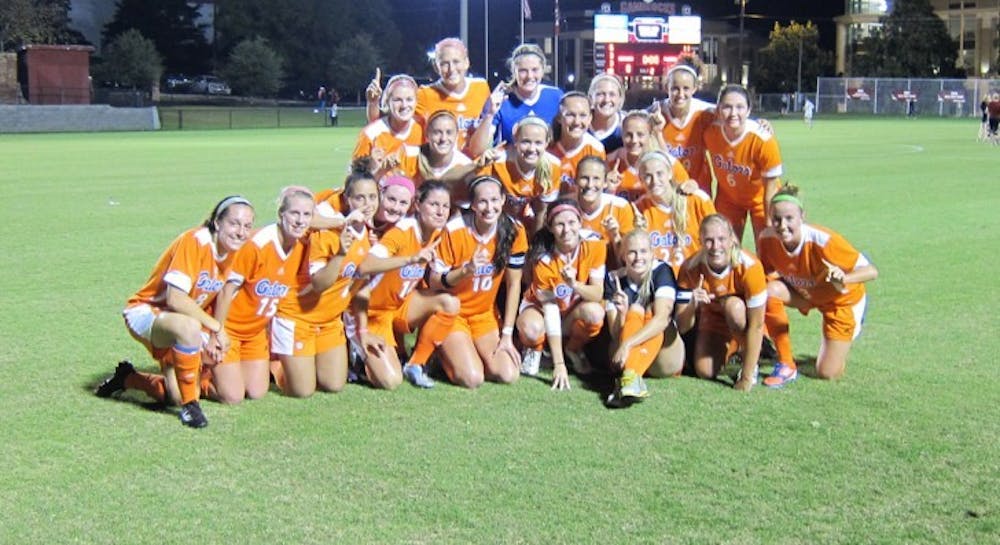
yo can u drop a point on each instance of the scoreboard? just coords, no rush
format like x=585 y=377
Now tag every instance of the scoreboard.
x=643 y=46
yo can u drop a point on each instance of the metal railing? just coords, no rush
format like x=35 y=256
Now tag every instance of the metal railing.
x=903 y=96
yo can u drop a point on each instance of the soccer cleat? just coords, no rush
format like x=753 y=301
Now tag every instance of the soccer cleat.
x=578 y=362
x=733 y=367
x=531 y=362
x=781 y=375
x=632 y=385
x=116 y=382
x=416 y=376
x=192 y=416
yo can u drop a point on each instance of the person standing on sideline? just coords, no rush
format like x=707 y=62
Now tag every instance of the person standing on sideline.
x=320 y=100
x=333 y=98
x=807 y=112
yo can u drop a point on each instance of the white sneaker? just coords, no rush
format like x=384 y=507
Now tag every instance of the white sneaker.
x=531 y=361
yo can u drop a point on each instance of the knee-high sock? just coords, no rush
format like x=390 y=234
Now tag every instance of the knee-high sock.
x=776 y=320
x=187 y=366
x=580 y=333
x=432 y=333
x=641 y=357
x=154 y=385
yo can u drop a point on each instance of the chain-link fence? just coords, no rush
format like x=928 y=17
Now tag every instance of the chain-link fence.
x=903 y=96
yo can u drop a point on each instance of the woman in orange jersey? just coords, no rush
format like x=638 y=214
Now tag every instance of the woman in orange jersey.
x=262 y=274
x=572 y=140
x=639 y=137
x=813 y=267
x=331 y=203
x=385 y=138
x=746 y=161
x=395 y=199
x=480 y=247
x=640 y=308
x=686 y=119
x=564 y=299
x=394 y=303
x=607 y=96
x=607 y=215
x=529 y=174
x=723 y=287
x=168 y=314
x=671 y=216
x=438 y=158
x=454 y=91
x=308 y=332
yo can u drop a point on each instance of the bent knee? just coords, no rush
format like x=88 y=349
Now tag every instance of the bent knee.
x=448 y=303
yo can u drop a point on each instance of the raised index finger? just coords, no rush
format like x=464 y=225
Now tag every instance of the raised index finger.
x=378 y=74
x=701 y=280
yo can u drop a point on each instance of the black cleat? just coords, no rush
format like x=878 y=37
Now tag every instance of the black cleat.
x=192 y=416
x=116 y=382
x=767 y=349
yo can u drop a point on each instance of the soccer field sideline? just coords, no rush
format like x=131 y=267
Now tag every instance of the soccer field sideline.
x=904 y=450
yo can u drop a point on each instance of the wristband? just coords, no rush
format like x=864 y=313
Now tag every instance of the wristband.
x=507 y=331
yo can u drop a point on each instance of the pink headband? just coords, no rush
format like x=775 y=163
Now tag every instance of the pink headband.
x=401 y=181
x=559 y=208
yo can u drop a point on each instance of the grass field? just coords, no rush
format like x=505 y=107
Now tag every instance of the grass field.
x=903 y=450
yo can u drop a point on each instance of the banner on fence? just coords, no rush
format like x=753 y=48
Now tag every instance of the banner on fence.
x=858 y=93
x=957 y=97
x=903 y=95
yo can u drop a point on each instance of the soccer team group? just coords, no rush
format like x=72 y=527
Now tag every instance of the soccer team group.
x=493 y=227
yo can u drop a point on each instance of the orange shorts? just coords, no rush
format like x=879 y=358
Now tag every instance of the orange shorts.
x=291 y=337
x=479 y=325
x=843 y=323
x=736 y=213
x=252 y=348
x=386 y=323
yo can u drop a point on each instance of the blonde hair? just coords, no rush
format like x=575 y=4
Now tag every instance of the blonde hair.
x=645 y=292
x=678 y=202
x=288 y=192
x=701 y=257
x=646 y=118
x=450 y=42
x=423 y=162
x=526 y=49
x=543 y=170
x=396 y=81
x=606 y=77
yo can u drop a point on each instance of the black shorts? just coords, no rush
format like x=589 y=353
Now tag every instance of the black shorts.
x=994 y=123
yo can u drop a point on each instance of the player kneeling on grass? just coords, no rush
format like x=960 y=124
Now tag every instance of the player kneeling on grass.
x=724 y=289
x=261 y=275
x=565 y=294
x=479 y=248
x=394 y=301
x=640 y=307
x=812 y=267
x=167 y=315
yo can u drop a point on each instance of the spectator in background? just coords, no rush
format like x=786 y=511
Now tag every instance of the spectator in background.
x=807 y=112
x=320 y=100
x=333 y=98
x=993 y=118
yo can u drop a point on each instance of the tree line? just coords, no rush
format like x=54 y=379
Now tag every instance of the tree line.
x=265 y=47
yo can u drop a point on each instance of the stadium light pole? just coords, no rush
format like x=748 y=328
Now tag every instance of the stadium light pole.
x=798 y=86
x=463 y=20
x=743 y=12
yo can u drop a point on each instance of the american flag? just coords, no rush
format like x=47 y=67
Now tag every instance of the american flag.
x=526 y=9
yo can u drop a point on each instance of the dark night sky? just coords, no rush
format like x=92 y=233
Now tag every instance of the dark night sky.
x=423 y=22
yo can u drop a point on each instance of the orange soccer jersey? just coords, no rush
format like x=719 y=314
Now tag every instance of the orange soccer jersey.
x=521 y=188
x=391 y=289
x=668 y=245
x=610 y=206
x=330 y=203
x=378 y=134
x=741 y=165
x=745 y=280
x=189 y=264
x=685 y=139
x=804 y=270
x=570 y=159
x=631 y=187
x=410 y=166
x=265 y=274
x=308 y=306
x=547 y=281
x=465 y=105
x=477 y=293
